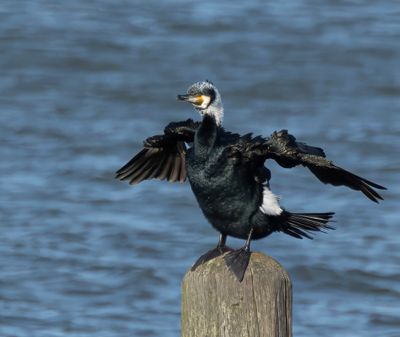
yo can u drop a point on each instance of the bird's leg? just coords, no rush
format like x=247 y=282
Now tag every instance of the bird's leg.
x=238 y=260
x=221 y=243
x=213 y=253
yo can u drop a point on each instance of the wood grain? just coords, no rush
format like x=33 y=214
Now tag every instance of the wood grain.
x=215 y=304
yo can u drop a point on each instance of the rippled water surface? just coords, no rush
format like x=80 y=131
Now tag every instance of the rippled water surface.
x=83 y=83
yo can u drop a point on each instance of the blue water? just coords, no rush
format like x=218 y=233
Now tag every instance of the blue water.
x=83 y=83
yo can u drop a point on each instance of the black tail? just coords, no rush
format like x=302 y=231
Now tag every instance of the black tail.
x=301 y=225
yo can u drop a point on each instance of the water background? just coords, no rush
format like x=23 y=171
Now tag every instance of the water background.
x=83 y=83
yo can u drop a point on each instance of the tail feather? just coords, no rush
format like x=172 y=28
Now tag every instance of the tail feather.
x=301 y=225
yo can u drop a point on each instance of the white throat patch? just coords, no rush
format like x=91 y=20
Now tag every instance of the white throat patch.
x=270 y=205
x=216 y=111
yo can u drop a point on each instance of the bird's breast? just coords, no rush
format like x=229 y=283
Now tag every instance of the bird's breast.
x=224 y=194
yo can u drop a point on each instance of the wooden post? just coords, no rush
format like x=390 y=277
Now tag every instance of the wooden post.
x=215 y=304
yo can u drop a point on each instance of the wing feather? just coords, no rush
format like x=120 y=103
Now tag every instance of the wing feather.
x=287 y=152
x=163 y=156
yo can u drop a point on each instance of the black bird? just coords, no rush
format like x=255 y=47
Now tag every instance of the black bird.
x=227 y=174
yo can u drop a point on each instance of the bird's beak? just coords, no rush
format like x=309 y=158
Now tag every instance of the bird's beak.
x=191 y=99
x=183 y=98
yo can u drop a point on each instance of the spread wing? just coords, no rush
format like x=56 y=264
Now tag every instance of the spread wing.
x=287 y=152
x=163 y=156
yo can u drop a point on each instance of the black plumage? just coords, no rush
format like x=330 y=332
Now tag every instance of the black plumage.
x=228 y=177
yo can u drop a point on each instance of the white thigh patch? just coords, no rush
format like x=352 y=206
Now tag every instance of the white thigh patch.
x=270 y=205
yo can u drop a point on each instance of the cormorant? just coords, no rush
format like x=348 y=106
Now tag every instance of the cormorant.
x=227 y=174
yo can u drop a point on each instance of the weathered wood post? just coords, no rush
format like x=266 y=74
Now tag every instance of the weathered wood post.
x=215 y=304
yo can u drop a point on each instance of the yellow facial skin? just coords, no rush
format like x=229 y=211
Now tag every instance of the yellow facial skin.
x=203 y=101
x=199 y=100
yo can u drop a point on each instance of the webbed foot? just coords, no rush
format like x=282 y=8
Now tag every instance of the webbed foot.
x=211 y=254
x=237 y=262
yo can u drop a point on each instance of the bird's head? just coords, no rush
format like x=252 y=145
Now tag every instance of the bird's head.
x=205 y=98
